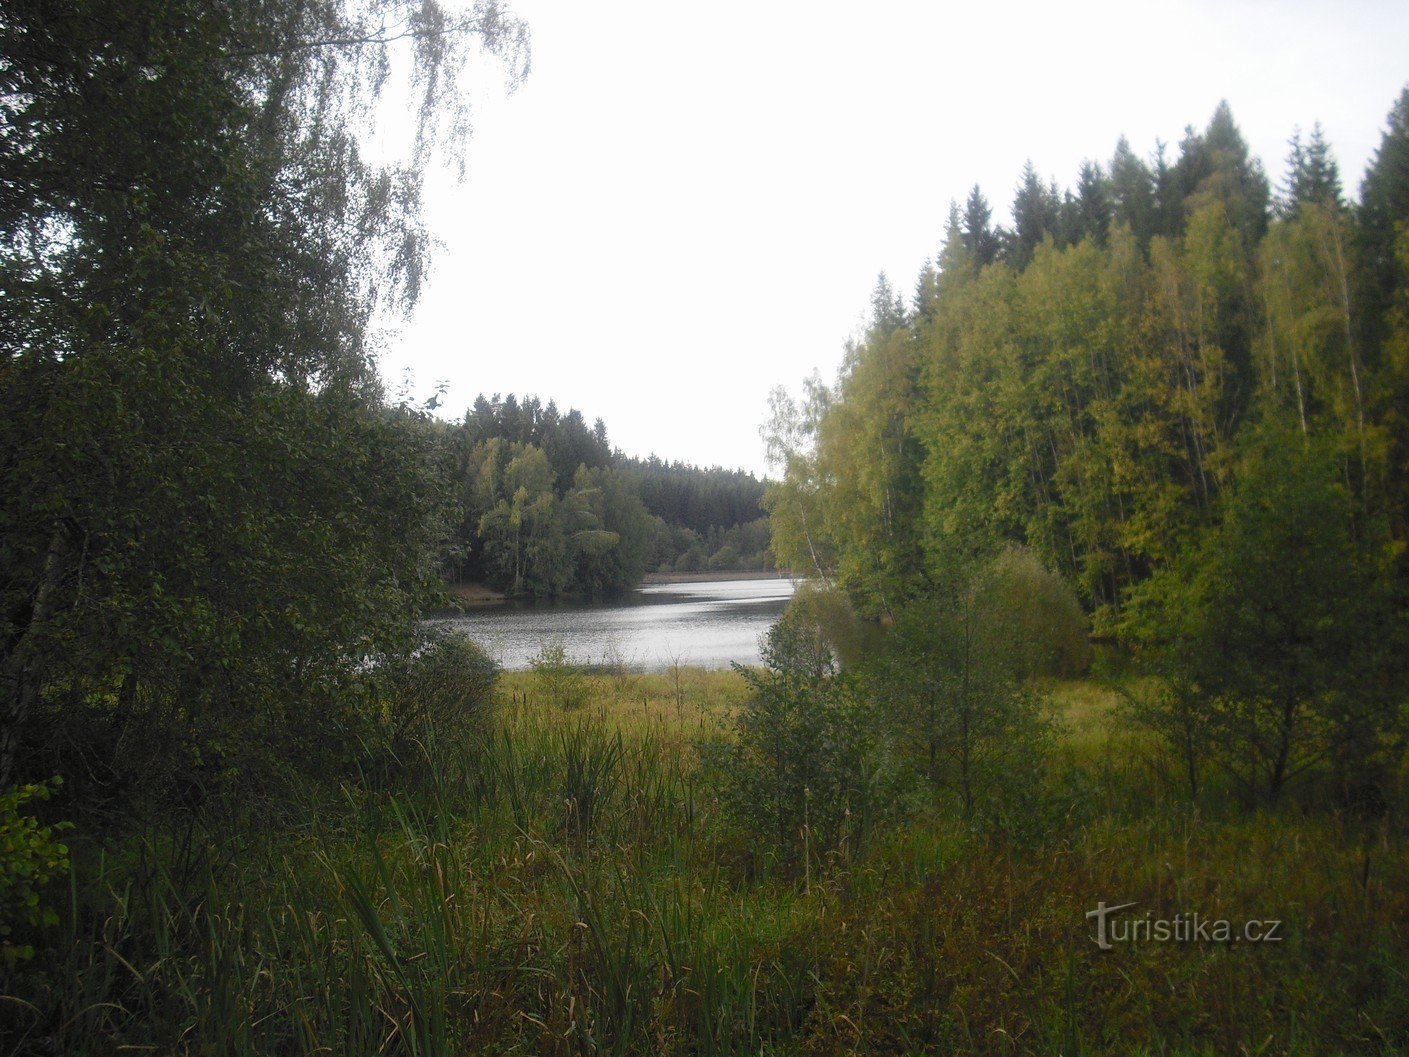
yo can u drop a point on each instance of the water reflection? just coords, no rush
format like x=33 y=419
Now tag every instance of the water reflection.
x=708 y=625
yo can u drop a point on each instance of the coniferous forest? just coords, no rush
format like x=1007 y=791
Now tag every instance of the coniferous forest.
x=1083 y=733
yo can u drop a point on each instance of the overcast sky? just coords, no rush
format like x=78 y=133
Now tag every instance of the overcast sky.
x=688 y=204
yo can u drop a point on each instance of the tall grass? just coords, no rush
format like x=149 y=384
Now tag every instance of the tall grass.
x=563 y=882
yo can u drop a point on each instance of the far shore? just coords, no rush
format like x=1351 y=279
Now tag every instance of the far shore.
x=471 y=595
x=476 y=594
x=716 y=574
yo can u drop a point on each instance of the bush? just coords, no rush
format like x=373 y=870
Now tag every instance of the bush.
x=558 y=677
x=726 y=557
x=30 y=858
x=802 y=772
x=442 y=685
x=1279 y=637
x=408 y=710
x=1041 y=617
x=952 y=675
x=829 y=611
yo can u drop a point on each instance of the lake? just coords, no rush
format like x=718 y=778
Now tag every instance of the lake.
x=705 y=625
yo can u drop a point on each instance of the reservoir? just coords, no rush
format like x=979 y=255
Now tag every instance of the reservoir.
x=705 y=625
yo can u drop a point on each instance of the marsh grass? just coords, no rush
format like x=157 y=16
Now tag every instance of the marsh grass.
x=564 y=883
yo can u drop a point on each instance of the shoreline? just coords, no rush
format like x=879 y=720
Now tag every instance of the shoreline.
x=474 y=596
x=719 y=574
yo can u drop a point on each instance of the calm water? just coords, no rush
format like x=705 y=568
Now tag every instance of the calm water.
x=707 y=625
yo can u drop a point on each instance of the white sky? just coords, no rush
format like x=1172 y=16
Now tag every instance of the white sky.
x=687 y=204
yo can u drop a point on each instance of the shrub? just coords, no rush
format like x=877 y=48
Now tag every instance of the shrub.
x=558 y=678
x=30 y=858
x=1039 y=615
x=802 y=772
x=1278 y=635
x=442 y=684
x=829 y=612
x=952 y=677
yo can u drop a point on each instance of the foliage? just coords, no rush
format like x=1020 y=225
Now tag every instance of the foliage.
x=30 y=858
x=1383 y=216
x=697 y=498
x=558 y=678
x=827 y=610
x=952 y=676
x=873 y=462
x=217 y=536
x=802 y=772
x=1176 y=400
x=439 y=689
x=473 y=915
x=796 y=499
x=210 y=515
x=1277 y=634
x=1038 y=615
x=1080 y=392
x=566 y=440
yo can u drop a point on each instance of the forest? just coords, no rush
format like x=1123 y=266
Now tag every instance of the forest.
x=548 y=508
x=1103 y=531
x=1184 y=392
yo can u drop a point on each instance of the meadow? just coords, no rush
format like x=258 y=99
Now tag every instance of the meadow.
x=564 y=880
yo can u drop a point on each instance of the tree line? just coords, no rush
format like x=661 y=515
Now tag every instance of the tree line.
x=546 y=507
x=715 y=515
x=1181 y=390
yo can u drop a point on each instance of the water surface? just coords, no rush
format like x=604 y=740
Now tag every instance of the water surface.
x=707 y=625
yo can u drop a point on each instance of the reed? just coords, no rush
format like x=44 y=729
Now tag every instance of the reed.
x=564 y=882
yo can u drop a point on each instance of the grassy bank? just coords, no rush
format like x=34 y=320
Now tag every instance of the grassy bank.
x=714 y=574
x=475 y=594
x=565 y=883
x=468 y=594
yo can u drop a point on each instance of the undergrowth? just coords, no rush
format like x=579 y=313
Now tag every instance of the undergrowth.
x=568 y=881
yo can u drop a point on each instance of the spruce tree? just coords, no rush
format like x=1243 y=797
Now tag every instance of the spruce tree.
x=1312 y=174
x=926 y=290
x=1093 y=204
x=1132 y=189
x=1169 y=201
x=1383 y=213
x=887 y=307
x=1036 y=214
x=981 y=240
x=1235 y=176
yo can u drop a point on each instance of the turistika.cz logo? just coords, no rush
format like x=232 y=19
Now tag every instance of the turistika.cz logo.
x=1112 y=927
